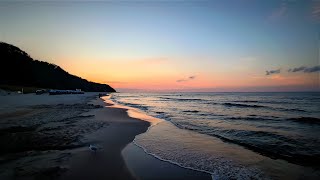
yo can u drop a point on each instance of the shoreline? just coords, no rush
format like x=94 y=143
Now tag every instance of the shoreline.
x=49 y=138
x=181 y=172
x=125 y=123
x=107 y=162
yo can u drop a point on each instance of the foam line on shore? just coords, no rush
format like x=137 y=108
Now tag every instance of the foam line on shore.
x=172 y=162
x=132 y=112
x=135 y=113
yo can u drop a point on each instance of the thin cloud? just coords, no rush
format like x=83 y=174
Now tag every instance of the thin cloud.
x=315 y=12
x=302 y=68
x=312 y=69
x=279 y=12
x=272 y=72
x=187 y=79
x=305 y=69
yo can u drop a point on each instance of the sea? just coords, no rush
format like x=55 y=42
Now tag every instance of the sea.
x=269 y=135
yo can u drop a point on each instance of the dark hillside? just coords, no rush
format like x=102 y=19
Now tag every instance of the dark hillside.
x=18 y=68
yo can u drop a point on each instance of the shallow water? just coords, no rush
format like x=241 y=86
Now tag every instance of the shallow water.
x=144 y=166
x=256 y=129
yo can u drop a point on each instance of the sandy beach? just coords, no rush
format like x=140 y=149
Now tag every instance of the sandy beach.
x=48 y=137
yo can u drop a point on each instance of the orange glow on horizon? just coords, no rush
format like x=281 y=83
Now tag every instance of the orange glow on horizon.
x=160 y=74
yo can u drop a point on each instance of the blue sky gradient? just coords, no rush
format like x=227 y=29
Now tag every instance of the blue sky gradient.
x=204 y=38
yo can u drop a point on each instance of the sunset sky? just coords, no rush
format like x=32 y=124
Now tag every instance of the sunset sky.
x=239 y=45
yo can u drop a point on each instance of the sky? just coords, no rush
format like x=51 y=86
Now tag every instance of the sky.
x=230 y=45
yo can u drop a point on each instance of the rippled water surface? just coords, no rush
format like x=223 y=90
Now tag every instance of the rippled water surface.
x=283 y=126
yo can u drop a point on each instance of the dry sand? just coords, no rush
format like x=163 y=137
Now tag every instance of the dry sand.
x=39 y=133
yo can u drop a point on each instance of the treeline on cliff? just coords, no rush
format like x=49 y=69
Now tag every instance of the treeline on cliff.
x=17 y=68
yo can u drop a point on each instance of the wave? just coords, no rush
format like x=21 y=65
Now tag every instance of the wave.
x=262 y=101
x=239 y=104
x=252 y=118
x=162 y=115
x=306 y=120
x=269 y=144
x=182 y=99
x=293 y=109
x=270 y=141
x=248 y=101
x=217 y=166
x=138 y=106
x=261 y=106
x=191 y=111
x=243 y=105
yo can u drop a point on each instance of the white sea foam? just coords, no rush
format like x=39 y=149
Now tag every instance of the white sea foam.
x=180 y=147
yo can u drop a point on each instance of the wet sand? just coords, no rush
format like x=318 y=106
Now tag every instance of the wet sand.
x=137 y=161
x=108 y=162
x=48 y=137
